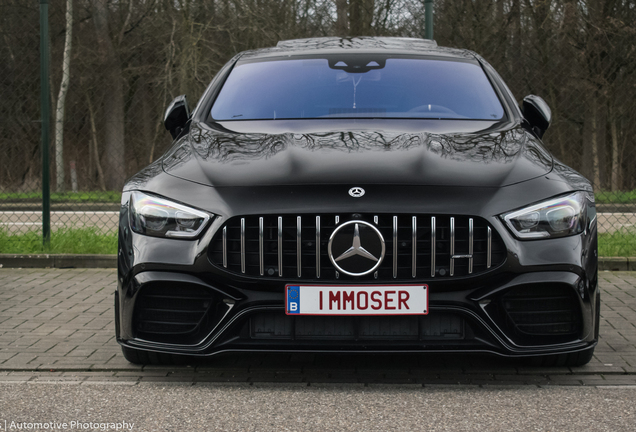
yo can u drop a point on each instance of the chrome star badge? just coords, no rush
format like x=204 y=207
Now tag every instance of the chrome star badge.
x=356 y=248
x=356 y=192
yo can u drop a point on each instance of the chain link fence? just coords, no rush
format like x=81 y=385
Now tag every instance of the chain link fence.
x=116 y=64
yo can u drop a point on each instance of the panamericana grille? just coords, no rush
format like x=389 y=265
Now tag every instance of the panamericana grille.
x=549 y=309
x=173 y=312
x=417 y=246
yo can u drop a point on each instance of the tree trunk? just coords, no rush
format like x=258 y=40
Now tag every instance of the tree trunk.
x=61 y=99
x=594 y=141
x=516 y=65
x=113 y=117
x=342 y=29
x=616 y=165
x=360 y=17
x=166 y=82
x=94 y=146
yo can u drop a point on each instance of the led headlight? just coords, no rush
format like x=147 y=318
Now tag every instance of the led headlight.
x=158 y=217
x=558 y=217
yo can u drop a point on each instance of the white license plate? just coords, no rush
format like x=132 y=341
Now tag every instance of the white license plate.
x=356 y=300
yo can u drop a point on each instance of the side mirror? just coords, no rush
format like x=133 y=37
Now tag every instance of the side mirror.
x=538 y=114
x=177 y=115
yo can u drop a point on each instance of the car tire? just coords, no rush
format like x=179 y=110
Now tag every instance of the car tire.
x=142 y=357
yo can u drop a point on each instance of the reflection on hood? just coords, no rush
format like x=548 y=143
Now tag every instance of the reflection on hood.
x=487 y=158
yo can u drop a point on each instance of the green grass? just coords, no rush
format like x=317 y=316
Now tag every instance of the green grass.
x=92 y=241
x=617 y=244
x=617 y=197
x=97 y=196
x=63 y=241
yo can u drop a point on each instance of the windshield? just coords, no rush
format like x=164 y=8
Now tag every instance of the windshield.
x=357 y=87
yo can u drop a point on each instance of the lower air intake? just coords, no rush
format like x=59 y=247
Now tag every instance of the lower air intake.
x=173 y=312
x=543 y=310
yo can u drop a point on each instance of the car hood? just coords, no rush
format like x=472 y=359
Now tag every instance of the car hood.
x=431 y=153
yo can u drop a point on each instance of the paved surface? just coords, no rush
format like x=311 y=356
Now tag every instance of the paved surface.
x=57 y=324
x=610 y=222
x=320 y=407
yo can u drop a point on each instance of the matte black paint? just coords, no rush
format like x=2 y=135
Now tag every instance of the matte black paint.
x=405 y=166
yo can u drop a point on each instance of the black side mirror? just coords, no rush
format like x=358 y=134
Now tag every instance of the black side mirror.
x=538 y=114
x=177 y=115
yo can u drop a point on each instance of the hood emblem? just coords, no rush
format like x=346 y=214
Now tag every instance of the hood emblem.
x=356 y=248
x=356 y=192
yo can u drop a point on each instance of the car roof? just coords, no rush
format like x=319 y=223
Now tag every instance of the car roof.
x=363 y=44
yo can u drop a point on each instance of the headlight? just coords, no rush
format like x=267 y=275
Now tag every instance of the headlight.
x=158 y=217
x=558 y=217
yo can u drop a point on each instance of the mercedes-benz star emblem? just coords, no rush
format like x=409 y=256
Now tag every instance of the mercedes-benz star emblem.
x=356 y=248
x=356 y=192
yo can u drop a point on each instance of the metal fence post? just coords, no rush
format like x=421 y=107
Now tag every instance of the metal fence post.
x=45 y=110
x=428 y=19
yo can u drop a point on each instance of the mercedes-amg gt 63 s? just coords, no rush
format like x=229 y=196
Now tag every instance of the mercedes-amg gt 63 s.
x=358 y=195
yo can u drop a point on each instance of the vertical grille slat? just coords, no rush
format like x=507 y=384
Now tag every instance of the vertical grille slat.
x=452 y=246
x=261 y=254
x=225 y=247
x=242 y=245
x=414 y=247
x=395 y=247
x=317 y=247
x=417 y=246
x=299 y=245
x=470 y=245
x=433 y=242
x=280 y=246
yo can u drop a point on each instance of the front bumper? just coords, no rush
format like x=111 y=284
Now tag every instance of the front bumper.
x=172 y=299
x=464 y=316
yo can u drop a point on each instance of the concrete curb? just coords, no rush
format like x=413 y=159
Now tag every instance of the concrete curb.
x=110 y=261
x=617 y=263
x=57 y=261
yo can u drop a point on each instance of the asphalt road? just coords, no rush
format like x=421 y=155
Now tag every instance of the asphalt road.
x=266 y=407
x=106 y=221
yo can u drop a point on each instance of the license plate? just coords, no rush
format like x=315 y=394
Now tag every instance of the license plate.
x=356 y=300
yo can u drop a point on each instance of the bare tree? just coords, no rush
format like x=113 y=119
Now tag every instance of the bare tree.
x=61 y=99
x=361 y=17
x=130 y=57
x=112 y=84
x=342 y=21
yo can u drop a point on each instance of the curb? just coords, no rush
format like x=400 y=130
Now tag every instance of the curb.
x=57 y=261
x=110 y=261
x=617 y=263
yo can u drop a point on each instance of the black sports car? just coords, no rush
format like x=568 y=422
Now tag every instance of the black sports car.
x=358 y=195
